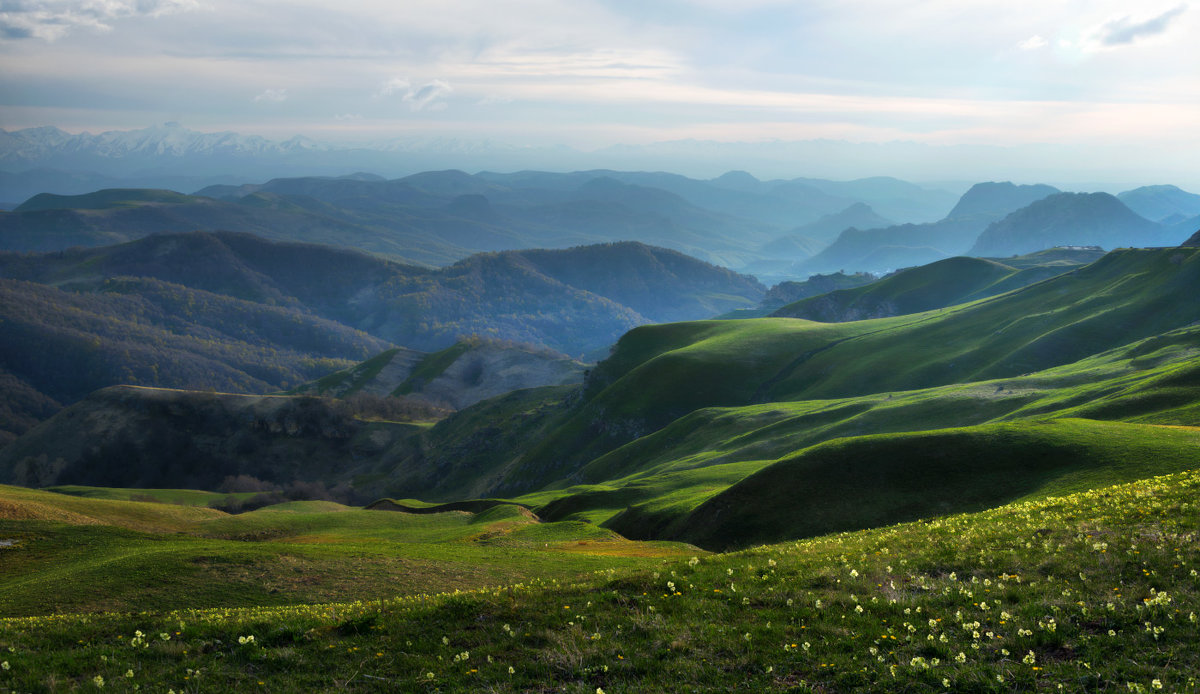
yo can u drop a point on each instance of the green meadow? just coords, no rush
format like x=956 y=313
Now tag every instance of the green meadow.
x=115 y=555
x=1092 y=591
x=992 y=496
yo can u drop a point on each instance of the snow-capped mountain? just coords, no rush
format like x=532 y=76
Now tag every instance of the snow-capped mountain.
x=34 y=146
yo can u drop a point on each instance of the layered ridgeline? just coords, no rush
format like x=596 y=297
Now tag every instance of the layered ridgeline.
x=236 y=313
x=682 y=414
x=438 y=217
x=1162 y=203
x=1001 y=220
x=573 y=300
x=888 y=247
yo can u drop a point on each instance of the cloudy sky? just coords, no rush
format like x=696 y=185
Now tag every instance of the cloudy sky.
x=1098 y=77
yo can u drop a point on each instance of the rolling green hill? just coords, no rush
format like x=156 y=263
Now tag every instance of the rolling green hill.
x=878 y=480
x=1096 y=342
x=121 y=555
x=660 y=373
x=936 y=285
x=1087 y=592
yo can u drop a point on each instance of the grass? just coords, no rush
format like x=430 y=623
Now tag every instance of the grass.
x=184 y=497
x=431 y=366
x=657 y=480
x=349 y=381
x=658 y=374
x=106 y=555
x=1094 y=591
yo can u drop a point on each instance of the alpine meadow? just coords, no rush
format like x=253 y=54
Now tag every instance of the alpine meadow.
x=599 y=348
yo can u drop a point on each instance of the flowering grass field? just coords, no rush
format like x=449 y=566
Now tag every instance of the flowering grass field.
x=1094 y=591
x=80 y=554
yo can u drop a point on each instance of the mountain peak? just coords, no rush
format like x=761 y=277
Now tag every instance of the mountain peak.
x=998 y=199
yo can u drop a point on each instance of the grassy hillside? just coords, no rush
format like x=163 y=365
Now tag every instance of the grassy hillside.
x=876 y=480
x=1126 y=296
x=651 y=487
x=936 y=285
x=659 y=373
x=119 y=555
x=1094 y=591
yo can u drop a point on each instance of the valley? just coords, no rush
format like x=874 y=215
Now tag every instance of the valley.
x=602 y=466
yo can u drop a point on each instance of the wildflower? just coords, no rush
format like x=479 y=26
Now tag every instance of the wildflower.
x=511 y=671
x=1029 y=659
x=960 y=658
x=599 y=690
x=693 y=561
x=246 y=639
x=4 y=665
x=98 y=681
x=1156 y=684
x=946 y=682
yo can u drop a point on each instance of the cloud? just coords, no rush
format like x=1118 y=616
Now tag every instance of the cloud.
x=1033 y=43
x=1122 y=31
x=418 y=98
x=50 y=20
x=271 y=96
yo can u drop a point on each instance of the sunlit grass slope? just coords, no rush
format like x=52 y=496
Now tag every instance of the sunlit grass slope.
x=64 y=553
x=872 y=481
x=1096 y=591
x=936 y=285
x=657 y=480
x=660 y=373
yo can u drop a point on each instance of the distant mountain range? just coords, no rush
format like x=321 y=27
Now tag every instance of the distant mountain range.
x=438 y=217
x=237 y=313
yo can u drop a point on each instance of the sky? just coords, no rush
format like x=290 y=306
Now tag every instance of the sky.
x=1094 y=87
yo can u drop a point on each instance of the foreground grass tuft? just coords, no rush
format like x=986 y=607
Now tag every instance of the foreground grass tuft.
x=1096 y=591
